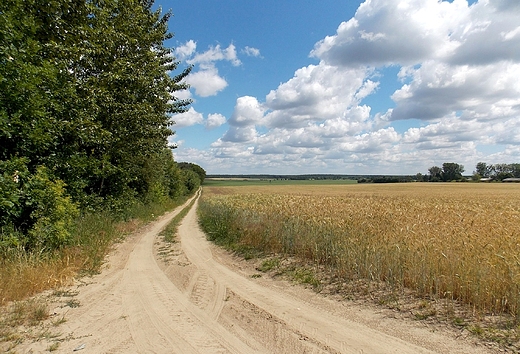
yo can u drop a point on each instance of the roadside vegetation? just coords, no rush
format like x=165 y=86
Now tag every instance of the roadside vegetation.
x=452 y=244
x=88 y=94
x=88 y=91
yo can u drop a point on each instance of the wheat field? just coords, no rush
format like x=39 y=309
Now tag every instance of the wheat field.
x=459 y=241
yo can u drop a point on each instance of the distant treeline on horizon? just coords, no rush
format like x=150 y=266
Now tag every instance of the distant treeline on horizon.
x=359 y=178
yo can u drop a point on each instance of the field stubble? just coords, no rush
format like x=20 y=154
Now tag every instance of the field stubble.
x=458 y=243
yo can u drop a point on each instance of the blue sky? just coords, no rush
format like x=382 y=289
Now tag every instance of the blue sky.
x=347 y=87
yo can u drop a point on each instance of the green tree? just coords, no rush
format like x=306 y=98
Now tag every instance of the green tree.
x=502 y=171
x=191 y=180
x=452 y=171
x=195 y=168
x=515 y=170
x=128 y=70
x=435 y=173
x=483 y=169
x=86 y=100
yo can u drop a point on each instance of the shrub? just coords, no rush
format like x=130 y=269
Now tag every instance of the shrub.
x=35 y=213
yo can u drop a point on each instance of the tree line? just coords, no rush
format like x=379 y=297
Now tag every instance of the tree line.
x=86 y=99
x=451 y=171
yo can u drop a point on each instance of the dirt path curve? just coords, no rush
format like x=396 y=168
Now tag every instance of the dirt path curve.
x=194 y=299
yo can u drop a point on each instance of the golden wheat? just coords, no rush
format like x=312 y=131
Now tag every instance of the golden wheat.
x=458 y=241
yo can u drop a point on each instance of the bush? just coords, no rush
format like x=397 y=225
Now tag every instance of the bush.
x=35 y=211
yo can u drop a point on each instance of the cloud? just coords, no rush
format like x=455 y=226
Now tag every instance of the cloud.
x=486 y=92
x=248 y=111
x=393 y=32
x=458 y=84
x=457 y=58
x=240 y=134
x=215 y=120
x=205 y=78
x=186 y=119
x=490 y=34
x=252 y=52
x=182 y=95
x=207 y=82
x=214 y=54
x=186 y=50
x=316 y=93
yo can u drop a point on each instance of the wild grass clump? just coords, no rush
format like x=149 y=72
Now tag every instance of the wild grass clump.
x=461 y=244
x=169 y=232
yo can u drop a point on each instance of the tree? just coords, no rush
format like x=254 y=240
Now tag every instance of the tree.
x=128 y=72
x=515 y=170
x=452 y=171
x=86 y=100
x=195 y=168
x=191 y=180
x=483 y=169
x=435 y=173
x=502 y=171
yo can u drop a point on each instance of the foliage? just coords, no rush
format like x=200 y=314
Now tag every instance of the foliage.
x=86 y=99
x=435 y=173
x=195 y=168
x=36 y=212
x=191 y=180
x=450 y=171
x=497 y=172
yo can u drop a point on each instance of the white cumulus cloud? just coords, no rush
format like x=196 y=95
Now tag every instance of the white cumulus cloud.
x=458 y=67
x=207 y=82
x=215 y=120
x=186 y=119
x=214 y=54
x=186 y=50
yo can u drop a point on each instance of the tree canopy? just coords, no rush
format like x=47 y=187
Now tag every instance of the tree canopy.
x=86 y=99
x=450 y=171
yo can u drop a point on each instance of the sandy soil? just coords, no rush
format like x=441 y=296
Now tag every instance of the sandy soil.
x=191 y=297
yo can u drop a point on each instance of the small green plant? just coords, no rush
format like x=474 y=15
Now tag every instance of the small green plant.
x=37 y=313
x=304 y=276
x=458 y=321
x=53 y=347
x=476 y=330
x=72 y=303
x=269 y=264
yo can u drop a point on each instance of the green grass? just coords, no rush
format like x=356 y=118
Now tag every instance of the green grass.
x=269 y=264
x=169 y=232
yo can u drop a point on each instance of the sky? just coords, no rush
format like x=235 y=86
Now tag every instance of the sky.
x=346 y=87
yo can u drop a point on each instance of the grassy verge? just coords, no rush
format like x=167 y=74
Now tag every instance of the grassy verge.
x=23 y=275
x=169 y=232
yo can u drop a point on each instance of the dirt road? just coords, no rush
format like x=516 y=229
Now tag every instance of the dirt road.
x=191 y=297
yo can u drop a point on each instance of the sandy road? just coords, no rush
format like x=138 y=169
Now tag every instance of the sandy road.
x=196 y=299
